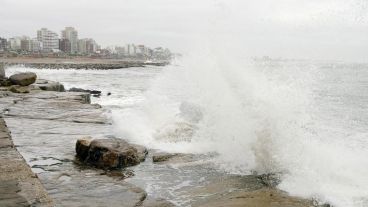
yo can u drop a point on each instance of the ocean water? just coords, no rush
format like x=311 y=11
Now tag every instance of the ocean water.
x=306 y=120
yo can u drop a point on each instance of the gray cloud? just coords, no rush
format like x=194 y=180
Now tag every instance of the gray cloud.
x=323 y=29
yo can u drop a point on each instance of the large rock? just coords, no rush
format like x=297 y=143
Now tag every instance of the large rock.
x=78 y=90
x=108 y=153
x=19 y=89
x=94 y=93
x=142 y=152
x=82 y=147
x=47 y=85
x=23 y=79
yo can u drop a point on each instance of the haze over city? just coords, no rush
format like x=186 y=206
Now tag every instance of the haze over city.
x=334 y=29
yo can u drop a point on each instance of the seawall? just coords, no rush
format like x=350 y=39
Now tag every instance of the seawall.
x=19 y=186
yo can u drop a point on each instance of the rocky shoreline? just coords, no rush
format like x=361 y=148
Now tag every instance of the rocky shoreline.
x=67 y=181
x=47 y=122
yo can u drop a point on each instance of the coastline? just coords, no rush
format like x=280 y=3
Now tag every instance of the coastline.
x=78 y=63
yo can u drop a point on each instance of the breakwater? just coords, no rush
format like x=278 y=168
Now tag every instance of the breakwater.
x=96 y=64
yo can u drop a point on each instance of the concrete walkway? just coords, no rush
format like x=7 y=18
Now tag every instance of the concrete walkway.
x=19 y=186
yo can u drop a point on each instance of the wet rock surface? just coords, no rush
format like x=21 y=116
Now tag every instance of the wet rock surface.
x=243 y=191
x=107 y=153
x=19 y=186
x=19 y=89
x=50 y=105
x=151 y=202
x=46 y=125
x=262 y=197
x=162 y=157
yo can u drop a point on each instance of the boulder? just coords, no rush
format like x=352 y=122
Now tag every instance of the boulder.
x=109 y=153
x=78 y=90
x=82 y=147
x=46 y=85
x=19 y=89
x=23 y=79
x=94 y=93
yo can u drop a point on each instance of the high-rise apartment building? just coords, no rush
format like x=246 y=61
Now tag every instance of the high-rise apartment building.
x=70 y=34
x=64 y=45
x=49 y=40
x=26 y=44
x=131 y=50
x=82 y=46
x=91 y=46
x=87 y=46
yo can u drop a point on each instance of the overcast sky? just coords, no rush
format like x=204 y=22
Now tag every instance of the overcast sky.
x=318 y=29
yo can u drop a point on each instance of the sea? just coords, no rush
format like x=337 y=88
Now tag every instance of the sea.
x=304 y=120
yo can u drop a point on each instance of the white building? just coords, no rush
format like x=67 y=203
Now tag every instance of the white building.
x=71 y=34
x=82 y=46
x=15 y=43
x=36 y=45
x=49 y=40
x=131 y=50
x=87 y=46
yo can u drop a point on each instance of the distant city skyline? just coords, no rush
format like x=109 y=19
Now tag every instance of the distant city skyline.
x=111 y=43
x=68 y=43
x=66 y=33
